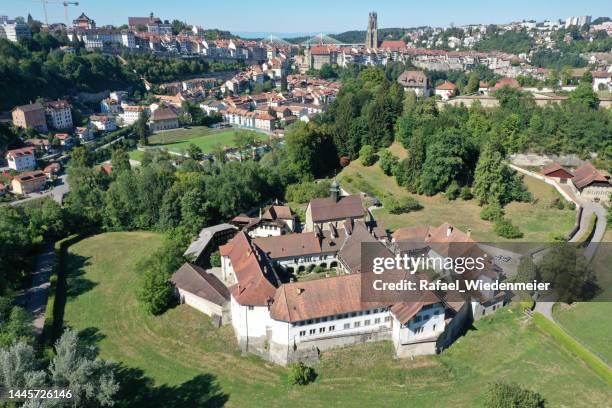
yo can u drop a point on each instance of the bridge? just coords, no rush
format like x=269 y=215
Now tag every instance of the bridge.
x=322 y=39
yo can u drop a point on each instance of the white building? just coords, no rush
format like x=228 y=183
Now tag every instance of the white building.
x=415 y=81
x=577 y=21
x=21 y=159
x=446 y=90
x=286 y=322
x=59 y=114
x=131 y=113
x=202 y=291
x=213 y=106
x=103 y=123
x=14 y=30
x=85 y=134
x=602 y=81
x=110 y=106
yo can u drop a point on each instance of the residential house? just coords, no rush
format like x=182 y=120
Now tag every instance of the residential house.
x=30 y=182
x=41 y=146
x=110 y=106
x=21 y=159
x=85 y=133
x=415 y=81
x=162 y=119
x=31 y=116
x=275 y=221
x=131 y=113
x=84 y=23
x=213 y=106
x=265 y=122
x=65 y=140
x=59 y=114
x=103 y=123
x=446 y=90
x=602 y=80
x=51 y=170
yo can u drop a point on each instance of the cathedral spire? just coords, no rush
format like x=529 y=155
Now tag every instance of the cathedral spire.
x=372 y=34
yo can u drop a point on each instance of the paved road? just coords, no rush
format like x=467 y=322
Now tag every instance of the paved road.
x=35 y=298
x=57 y=193
x=588 y=209
x=545 y=307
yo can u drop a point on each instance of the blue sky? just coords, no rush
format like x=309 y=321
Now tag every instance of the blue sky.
x=315 y=15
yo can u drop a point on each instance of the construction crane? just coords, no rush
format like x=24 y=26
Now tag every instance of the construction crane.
x=64 y=3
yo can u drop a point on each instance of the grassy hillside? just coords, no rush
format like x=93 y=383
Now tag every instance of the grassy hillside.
x=536 y=220
x=180 y=359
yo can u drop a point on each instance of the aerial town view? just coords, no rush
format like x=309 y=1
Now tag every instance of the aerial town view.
x=332 y=204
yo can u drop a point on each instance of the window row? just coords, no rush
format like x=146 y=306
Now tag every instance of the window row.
x=346 y=326
x=341 y=316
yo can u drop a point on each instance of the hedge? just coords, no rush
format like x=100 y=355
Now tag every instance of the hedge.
x=588 y=234
x=565 y=340
x=56 y=300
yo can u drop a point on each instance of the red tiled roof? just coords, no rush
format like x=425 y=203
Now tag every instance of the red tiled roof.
x=586 y=175
x=404 y=311
x=30 y=176
x=281 y=212
x=106 y=168
x=294 y=302
x=511 y=82
x=196 y=280
x=24 y=151
x=30 y=107
x=59 y=104
x=393 y=45
x=265 y=116
x=290 y=245
x=554 y=168
x=52 y=168
x=446 y=86
x=254 y=286
x=326 y=209
x=163 y=114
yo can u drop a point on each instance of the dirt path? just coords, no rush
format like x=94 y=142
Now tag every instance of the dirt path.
x=35 y=298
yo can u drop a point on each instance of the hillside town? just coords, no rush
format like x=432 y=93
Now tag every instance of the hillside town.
x=193 y=217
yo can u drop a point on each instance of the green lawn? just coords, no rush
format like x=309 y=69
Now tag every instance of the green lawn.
x=584 y=321
x=535 y=220
x=205 y=138
x=136 y=155
x=180 y=359
x=590 y=323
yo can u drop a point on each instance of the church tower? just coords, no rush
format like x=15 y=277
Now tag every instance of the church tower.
x=372 y=34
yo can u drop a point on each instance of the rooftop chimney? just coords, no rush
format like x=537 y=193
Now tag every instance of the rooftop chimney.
x=449 y=230
x=469 y=233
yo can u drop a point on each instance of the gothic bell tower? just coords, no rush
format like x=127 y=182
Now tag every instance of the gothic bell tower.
x=372 y=34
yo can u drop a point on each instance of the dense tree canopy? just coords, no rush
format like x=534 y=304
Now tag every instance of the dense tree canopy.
x=40 y=69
